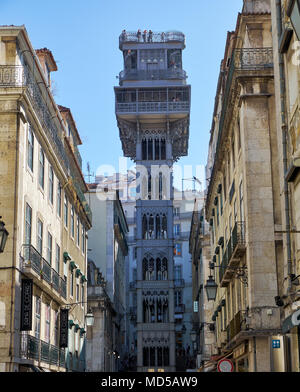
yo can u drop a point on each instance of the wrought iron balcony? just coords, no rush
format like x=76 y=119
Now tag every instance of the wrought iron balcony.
x=38 y=350
x=235 y=249
x=235 y=326
x=253 y=58
x=168 y=36
x=160 y=74
x=32 y=261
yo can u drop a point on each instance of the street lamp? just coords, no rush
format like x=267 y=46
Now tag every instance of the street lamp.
x=89 y=317
x=3 y=236
x=211 y=288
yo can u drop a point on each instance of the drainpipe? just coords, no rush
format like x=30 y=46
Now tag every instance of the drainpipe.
x=284 y=143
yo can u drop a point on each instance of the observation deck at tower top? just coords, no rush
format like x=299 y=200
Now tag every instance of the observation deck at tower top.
x=163 y=37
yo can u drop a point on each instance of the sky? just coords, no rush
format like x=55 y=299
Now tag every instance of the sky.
x=83 y=37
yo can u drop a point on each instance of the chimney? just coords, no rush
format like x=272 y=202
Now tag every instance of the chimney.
x=47 y=62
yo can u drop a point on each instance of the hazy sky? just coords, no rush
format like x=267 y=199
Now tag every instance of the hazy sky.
x=83 y=37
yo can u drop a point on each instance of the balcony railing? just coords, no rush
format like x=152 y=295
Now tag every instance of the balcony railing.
x=32 y=259
x=37 y=349
x=153 y=107
x=235 y=249
x=253 y=58
x=168 y=36
x=159 y=74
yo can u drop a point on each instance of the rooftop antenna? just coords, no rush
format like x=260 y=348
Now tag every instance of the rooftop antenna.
x=89 y=175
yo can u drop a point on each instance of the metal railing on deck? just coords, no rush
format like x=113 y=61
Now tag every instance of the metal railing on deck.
x=168 y=36
x=159 y=74
x=152 y=107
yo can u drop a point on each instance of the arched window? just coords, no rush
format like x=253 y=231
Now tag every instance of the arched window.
x=144 y=227
x=157 y=152
x=164 y=227
x=146 y=356
x=164 y=268
x=144 y=149
x=150 y=149
x=160 y=186
x=151 y=226
x=163 y=149
x=158 y=269
x=157 y=227
x=149 y=186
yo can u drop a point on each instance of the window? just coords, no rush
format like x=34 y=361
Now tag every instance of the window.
x=66 y=211
x=78 y=230
x=28 y=222
x=176 y=211
x=178 y=297
x=42 y=169
x=177 y=272
x=37 y=323
x=82 y=294
x=47 y=323
x=49 y=249
x=241 y=202
x=72 y=222
x=72 y=284
x=177 y=250
x=39 y=240
x=176 y=230
x=77 y=292
x=51 y=184
x=58 y=206
x=82 y=239
x=30 y=148
x=57 y=258
x=233 y=152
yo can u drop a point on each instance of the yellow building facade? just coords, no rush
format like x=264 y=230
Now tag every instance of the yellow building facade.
x=43 y=206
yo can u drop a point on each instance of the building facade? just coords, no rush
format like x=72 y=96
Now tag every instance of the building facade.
x=152 y=110
x=286 y=36
x=43 y=267
x=200 y=250
x=243 y=204
x=108 y=252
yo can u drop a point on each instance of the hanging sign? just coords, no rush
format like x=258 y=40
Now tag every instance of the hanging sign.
x=64 y=328
x=26 y=305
